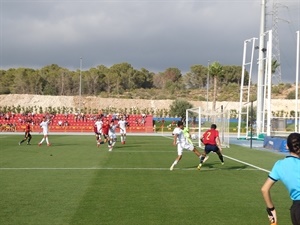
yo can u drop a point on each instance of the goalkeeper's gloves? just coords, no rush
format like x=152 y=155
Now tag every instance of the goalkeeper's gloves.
x=272 y=215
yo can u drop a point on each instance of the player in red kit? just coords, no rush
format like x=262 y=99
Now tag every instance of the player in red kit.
x=105 y=129
x=212 y=143
x=27 y=134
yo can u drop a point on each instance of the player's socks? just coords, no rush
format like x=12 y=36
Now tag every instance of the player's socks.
x=221 y=158
x=201 y=159
x=174 y=164
x=199 y=166
x=205 y=159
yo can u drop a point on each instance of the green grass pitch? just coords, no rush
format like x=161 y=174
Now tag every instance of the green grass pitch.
x=75 y=183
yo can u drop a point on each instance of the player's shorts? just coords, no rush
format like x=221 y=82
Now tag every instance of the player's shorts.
x=295 y=212
x=112 y=135
x=184 y=145
x=27 y=134
x=97 y=133
x=123 y=131
x=45 y=133
x=211 y=148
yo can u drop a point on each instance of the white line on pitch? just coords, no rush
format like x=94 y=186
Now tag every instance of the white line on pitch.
x=86 y=168
x=93 y=168
x=141 y=151
x=248 y=164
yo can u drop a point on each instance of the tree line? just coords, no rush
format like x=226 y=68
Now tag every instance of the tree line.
x=114 y=80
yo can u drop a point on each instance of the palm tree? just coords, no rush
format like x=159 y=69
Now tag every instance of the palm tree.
x=215 y=70
x=275 y=65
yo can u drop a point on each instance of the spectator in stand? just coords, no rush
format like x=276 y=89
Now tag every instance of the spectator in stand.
x=60 y=123
x=75 y=116
x=82 y=117
x=144 y=116
x=139 y=121
x=21 y=120
x=143 y=121
x=66 y=123
x=7 y=116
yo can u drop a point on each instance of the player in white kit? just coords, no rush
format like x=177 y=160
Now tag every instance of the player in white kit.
x=44 y=125
x=123 y=124
x=98 y=131
x=112 y=135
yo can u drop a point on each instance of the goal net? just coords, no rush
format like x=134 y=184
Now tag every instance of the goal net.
x=198 y=121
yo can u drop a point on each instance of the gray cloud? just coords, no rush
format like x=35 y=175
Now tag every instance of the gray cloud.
x=154 y=35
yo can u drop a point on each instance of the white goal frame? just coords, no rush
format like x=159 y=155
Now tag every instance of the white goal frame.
x=198 y=121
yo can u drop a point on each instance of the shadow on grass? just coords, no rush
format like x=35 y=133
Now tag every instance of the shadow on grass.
x=208 y=166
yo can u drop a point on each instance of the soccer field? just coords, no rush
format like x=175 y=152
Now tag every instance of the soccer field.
x=73 y=182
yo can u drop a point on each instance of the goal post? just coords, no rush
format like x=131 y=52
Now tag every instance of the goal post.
x=198 y=121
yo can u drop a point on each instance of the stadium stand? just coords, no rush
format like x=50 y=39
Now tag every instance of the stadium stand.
x=72 y=123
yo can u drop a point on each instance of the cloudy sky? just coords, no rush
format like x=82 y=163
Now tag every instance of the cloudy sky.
x=151 y=34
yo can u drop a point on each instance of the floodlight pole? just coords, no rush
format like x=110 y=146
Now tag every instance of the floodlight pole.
x=268 y=83
x=297 y=128
x=260 y=76
x=207 y=86
x=251 y=124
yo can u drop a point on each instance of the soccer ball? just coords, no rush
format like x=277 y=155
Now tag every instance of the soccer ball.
x=194 y=136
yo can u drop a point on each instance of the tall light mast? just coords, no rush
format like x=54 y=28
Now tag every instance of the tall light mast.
x=260 y=75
